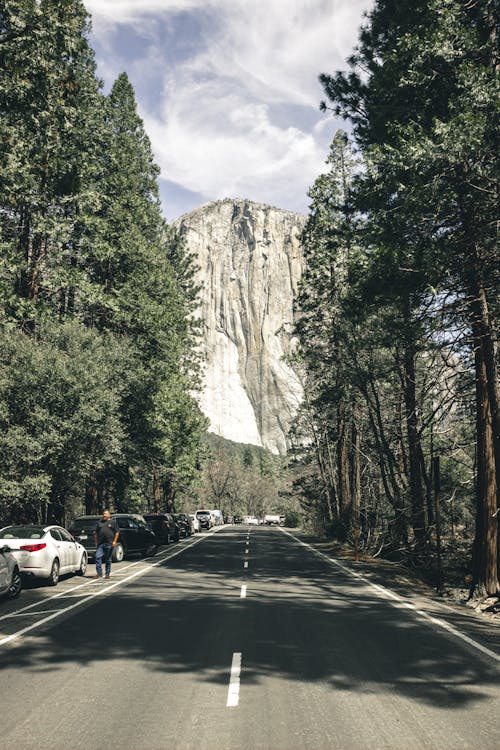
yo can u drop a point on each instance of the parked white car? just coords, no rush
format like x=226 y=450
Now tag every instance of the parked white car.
x=10 y=577
x=44 y=551
x=196 y=523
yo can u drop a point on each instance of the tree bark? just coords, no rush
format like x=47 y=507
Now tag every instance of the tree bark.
x=356 y=474
x=414 y=449
x=485 y=553
x=343 y=462
x=91 y=497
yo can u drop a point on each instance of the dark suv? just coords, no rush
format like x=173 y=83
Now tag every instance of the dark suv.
x=184 y=529
x=135 y=536
x=185 y=520
x=164 y=527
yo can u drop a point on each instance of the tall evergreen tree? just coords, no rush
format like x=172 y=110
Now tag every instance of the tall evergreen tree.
x=423 y=99
x=49 y=100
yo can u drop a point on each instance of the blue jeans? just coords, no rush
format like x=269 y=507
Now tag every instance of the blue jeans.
x=104 y=550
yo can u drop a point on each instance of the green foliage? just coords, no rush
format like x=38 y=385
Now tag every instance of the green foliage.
x=242 y=479
x=101 y=289
x=59 y=418
x=416 y=287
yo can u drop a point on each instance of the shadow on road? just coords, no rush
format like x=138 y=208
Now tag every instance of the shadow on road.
x=302 y=620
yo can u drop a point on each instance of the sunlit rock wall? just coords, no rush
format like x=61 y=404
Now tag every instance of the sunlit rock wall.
x=250 y=263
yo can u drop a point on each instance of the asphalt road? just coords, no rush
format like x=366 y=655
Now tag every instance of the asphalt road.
x=242 y=639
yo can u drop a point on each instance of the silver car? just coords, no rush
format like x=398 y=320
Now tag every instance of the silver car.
x=10 y=577
x=44 y=551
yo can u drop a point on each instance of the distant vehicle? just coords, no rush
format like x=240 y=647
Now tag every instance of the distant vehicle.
x=251 y=520
x=135 y=536
x=217 y=517
x=186 y=525
x=237 y=519
x=44 y=551
x=205 y=519
x=163 y=526
x=272 y=519
x=195 y=522
x=10 y=577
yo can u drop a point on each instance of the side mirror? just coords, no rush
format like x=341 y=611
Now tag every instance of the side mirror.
x=5 y=549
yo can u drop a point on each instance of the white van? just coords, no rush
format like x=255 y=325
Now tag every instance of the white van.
x=217 y=517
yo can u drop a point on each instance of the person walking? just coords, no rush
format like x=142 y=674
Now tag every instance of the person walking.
x=106 y=535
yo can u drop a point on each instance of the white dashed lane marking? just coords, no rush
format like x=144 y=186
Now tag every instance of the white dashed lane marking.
x=233 y=693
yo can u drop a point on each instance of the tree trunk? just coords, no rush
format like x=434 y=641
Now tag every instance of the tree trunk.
x=356 y=474
x=485 y=554
x=490 y=357
x=343 y=462
x=168 y=494
x=414 y=449
x=91 y=508
x=156 y=491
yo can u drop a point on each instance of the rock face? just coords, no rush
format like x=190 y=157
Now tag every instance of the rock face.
x=250 y=263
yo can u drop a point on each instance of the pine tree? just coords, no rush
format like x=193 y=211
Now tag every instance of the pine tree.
x=49 y=98
x=424 y=110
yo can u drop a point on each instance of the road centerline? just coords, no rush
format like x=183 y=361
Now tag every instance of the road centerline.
x=233 y=692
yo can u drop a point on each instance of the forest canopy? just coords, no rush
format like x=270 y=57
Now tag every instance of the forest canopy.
x=96 y=291
x=398 y=310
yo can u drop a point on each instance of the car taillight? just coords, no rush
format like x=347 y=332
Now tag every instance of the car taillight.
x=32 y=547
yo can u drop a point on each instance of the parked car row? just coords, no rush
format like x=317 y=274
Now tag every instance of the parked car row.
x=47 y=552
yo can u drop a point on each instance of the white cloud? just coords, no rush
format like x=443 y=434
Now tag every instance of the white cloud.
x=214 y=128
x=229 y=147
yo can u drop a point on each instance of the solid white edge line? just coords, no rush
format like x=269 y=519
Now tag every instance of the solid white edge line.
x=233 y=692
x=31 y=614
x=104 y=590
x=399 y=601
x=243 y=593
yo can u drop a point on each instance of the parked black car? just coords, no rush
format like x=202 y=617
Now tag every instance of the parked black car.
x=164 y=526
x=185 y=528
x=135 y=536
x=187 y=521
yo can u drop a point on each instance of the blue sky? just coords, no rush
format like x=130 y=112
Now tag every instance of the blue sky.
x=228 y=90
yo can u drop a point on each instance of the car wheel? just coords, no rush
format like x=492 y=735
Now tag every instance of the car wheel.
x=83 y=565
x=118 y=552
x=54 y=573
x=16 y=584
x=151 y=550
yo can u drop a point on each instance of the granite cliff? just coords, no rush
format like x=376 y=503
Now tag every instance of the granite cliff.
x=250 y=262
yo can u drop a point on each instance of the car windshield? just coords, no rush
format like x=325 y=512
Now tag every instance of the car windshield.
x=22 y=532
